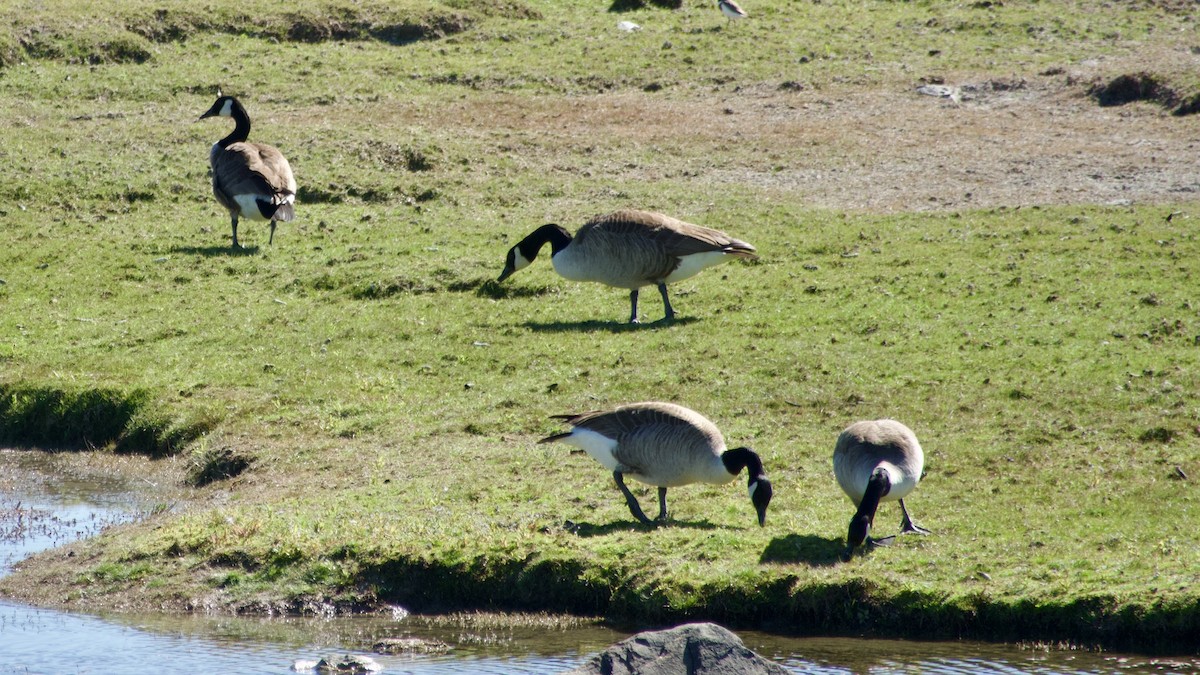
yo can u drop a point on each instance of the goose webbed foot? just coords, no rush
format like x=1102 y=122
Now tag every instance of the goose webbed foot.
x=868 y=544
x=908 y=525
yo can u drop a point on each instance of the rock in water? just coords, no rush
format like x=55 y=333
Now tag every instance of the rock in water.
x=409 y=645
x=691 y=649
x=347 y=664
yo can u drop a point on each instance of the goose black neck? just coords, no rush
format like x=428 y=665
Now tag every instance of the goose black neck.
x=241 y=129
x=555 y=235
x=743 y=458
x=877 y=486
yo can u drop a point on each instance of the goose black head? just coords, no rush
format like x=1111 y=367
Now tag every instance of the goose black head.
x=223 y=107
x=760 y=495
x=856 y=535
x=878 y=485
x=515 y=261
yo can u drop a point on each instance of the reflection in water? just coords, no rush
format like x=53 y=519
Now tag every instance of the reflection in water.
x=45 y=641
x=855 y=655
x=54 y=510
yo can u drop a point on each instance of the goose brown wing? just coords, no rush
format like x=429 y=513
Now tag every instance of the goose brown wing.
x=687 y=239
x=252 y=168
x=669 y=236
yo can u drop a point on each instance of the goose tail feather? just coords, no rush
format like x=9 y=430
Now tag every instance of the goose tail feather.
x=740 y=249
x=555 y=437
x=284 y=212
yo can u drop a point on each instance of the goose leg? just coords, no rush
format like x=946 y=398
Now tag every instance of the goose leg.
x=670 y=313
x=272 y=239
x=633 y=306
x=908 y=525
x=662 y=505
x=632 y=501
x=235 y=241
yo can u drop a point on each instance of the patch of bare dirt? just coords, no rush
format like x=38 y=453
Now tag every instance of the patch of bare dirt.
x=990 y=142
x=1039 y=143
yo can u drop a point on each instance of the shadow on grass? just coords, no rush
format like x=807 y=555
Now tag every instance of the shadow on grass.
x=490 y=288
x=592 y=325
x=590 y=530
x=215 y=251
x=803 y=548
x=630 y=5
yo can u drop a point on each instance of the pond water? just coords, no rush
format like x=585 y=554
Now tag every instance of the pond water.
x=40 y=509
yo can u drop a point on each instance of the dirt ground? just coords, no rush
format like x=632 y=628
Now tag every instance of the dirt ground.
x=1003 y=143
x=996 y=142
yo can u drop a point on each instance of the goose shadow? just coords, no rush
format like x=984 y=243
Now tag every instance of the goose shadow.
x=490 y=288
x=215 y=251
x=583 y=529
x=593 y=325
x=808 y=549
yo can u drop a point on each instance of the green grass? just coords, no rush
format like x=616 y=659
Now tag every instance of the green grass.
x=379 y=401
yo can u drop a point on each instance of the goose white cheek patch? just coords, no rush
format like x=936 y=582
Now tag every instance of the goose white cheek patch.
x=753 y=487
x=519 y=261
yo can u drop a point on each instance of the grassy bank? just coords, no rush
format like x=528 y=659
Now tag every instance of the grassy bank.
x=360 y=405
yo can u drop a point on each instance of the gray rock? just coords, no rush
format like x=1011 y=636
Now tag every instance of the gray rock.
x=690 y=649
x=348 y=664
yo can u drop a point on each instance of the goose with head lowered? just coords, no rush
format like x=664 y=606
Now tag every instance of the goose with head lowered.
x=877 y=461
x=665 y=445
x=629 y=249
x=251 y=180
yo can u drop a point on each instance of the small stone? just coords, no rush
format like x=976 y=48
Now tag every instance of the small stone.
x=347 y=664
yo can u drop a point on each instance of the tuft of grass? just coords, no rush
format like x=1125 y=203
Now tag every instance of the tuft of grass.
x=127 y=421
x=214 y=464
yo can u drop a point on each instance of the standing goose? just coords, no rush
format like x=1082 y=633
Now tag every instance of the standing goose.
x=874 y=461
x=665 y=445
x=629 y=249
x=252 y=180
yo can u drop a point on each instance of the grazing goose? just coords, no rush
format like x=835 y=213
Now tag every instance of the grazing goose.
x=874 y=461
x=629 y=249
x=665 y=445
x=731 y=9
x=252 y=180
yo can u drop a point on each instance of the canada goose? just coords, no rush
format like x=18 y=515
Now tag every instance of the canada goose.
x=252 y=180
x=874 y=461
x=629 y=249
x=731 y=9
x=665 y=445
